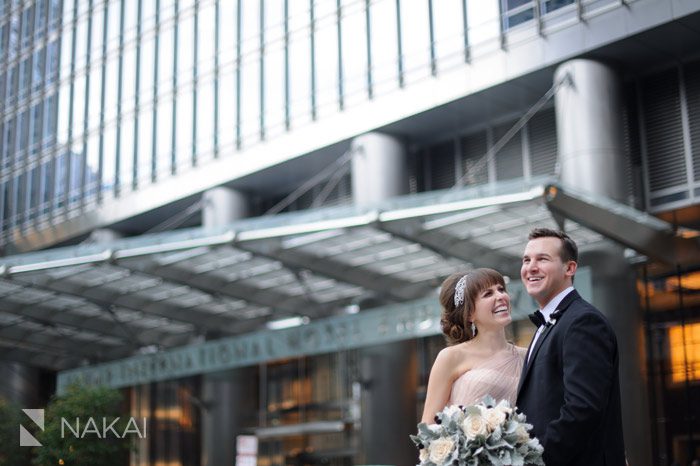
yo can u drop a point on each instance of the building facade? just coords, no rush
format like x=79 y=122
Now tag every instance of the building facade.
x=131 y=124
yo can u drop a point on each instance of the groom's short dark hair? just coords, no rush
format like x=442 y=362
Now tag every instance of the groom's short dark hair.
x=568 y=251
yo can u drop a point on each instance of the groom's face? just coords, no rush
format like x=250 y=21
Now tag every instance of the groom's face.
x=543 y=273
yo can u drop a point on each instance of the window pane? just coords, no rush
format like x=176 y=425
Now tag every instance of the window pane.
x=110 y=105
x=27 y=20
x=146 y=88
x=416 y=39
x=38 y=69
x=184 y=126
x=354 y=51
x=44 y=188
x=33 y=193
x=326 y=57
x=384 y=46
x=128 y=83
x=205 y=119
x=35 y=131
x=166 y=55
x=449 y=33
x=551 y=5
x=185 y=64
x=65 y=72
x=24 y=78
x=95 y=99
x=206 y=40
x=40 y=19
x=250 y=73
x=50 y=117
x=517 y=12
x=54 y=14
x=3 y=207
x=77 y=150
x=227 y=79
x=52 y=62
x=274 y=67
x=5 y=150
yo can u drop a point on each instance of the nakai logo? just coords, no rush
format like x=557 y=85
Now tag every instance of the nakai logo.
x=101 y=428
x=25 y=438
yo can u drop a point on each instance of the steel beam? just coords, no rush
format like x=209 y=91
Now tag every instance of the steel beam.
x=637 y=230
x=450 y=246
x=101 y=325
x=219 y=286
x=17 y=334
x=31 y=356
x=389 y=288
x=133 y=303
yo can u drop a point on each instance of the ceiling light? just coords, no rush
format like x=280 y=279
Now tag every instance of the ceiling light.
x=287 y=322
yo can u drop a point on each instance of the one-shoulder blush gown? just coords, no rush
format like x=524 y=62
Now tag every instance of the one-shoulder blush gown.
x=498 y=377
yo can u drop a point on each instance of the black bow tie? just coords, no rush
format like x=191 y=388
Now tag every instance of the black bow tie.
x=537 y=318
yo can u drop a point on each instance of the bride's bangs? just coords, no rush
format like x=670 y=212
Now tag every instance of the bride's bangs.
x=486 y=278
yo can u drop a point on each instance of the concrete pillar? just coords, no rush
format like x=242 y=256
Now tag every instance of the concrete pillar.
x=21 y=385
x=229 y=401
x=589 y=129
x=226 y=397
x=223 y=206
x=388 y=405
x=591 y=154
x=389 y=374
x=378 y=168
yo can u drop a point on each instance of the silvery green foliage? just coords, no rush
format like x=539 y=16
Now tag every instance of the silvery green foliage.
x=487 y=433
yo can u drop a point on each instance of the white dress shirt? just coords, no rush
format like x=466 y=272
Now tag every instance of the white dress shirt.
x=547 y=311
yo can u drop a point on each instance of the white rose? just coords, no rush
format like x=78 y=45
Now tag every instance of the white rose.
x=423 y=455
x=522 y=434
x=440 y=449
x=474 y=425
x=494 y=418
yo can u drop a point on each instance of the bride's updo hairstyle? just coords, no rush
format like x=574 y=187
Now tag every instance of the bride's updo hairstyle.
x=455 y=319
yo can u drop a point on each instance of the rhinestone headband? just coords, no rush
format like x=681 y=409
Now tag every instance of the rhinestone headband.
x=459 y=291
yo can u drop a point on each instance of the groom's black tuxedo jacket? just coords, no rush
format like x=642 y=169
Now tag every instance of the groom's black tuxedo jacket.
x=570 y=389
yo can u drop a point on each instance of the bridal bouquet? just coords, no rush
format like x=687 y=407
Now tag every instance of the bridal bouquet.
x=487 y=433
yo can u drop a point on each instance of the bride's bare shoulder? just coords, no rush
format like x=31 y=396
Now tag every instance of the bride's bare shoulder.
x=456 y=356
x=456 y=351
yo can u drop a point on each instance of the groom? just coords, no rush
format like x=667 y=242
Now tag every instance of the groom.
x=569 y=388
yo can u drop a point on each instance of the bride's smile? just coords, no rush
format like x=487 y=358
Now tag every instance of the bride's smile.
x=492 y=308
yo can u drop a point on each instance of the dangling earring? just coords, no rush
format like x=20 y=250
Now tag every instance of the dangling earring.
x=473 y=329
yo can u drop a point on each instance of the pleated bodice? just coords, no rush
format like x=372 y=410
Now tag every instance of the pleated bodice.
x=497 y=376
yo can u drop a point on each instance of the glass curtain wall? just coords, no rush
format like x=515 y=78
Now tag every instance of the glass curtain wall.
x=29 y=54
x=672 y=312
x=101 y=98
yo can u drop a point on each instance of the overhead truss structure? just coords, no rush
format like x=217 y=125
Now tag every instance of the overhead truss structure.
x=92 y=303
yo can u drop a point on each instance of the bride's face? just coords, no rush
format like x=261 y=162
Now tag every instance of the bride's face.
x=492 y=307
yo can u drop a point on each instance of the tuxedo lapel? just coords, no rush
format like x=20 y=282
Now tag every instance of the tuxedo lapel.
x=531 y=359
x=568 y=299
x=525 y=364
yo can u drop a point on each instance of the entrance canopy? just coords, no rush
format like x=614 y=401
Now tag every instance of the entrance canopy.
x=93 y=303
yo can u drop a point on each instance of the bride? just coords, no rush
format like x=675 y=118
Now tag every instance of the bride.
x=478 y=360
